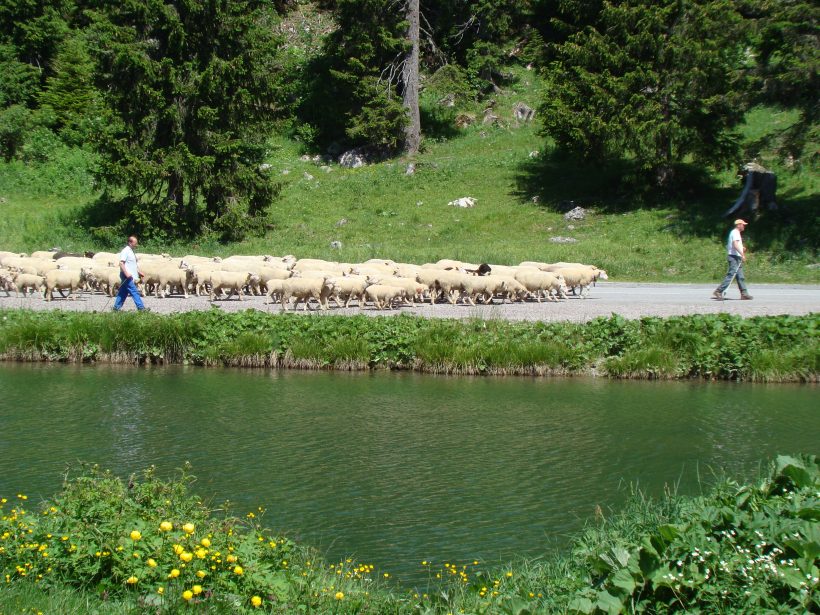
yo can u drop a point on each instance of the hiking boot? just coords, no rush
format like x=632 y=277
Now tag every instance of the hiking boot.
x=717 y=295
x=746 y=297
x=144 y=310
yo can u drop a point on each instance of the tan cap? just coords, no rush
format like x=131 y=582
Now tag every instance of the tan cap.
x=740 y=221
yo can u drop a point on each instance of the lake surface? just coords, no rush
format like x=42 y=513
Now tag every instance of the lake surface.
x=393 y=468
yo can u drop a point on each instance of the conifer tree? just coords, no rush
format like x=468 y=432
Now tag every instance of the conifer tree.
x=191 y=90
x=657 y=81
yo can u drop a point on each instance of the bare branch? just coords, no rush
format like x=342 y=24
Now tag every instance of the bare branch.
x=464 y=27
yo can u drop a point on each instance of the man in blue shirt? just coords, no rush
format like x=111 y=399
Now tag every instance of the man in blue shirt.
x=129 y=274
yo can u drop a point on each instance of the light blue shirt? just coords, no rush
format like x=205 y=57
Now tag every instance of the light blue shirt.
x=128 y=257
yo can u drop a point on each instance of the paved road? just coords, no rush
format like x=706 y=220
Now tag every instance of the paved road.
x=630 y=300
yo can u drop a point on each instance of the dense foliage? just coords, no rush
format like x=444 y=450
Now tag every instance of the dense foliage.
x=776 y=348
x=658 y=81
x=146 y=543
x=179 y=100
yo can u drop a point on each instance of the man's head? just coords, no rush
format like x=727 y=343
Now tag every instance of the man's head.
x=740 y=224
x=132 y=241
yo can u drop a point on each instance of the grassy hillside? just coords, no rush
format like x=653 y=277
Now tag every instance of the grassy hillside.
x=379 y=211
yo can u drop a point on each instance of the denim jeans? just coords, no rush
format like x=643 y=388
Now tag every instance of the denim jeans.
x=127 y=287
x=736 y=272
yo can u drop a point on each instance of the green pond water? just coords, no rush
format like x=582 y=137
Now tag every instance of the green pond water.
x=393 y=469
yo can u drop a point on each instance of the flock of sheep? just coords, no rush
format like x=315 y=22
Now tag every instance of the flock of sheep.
x=383 y=283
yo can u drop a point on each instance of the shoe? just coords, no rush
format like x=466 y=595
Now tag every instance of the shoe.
x=745 y=297
x=144 y=310
x=717 y=295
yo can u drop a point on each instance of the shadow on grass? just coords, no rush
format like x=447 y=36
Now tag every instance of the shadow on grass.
x=104 y=219
x=559 y=182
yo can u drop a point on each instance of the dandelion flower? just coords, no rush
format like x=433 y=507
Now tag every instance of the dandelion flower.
x=197 y=589
x=187 y=594
x=201 y=574
x=339 y=596
x=256 y=601
x=230 y=559
x=238 y=570
x=173 y=574
x=135 y=535
x=188 y=528
x=186 y=557
x=166 y=526
x=160 y=590
x=152 y=563
x=205 y=542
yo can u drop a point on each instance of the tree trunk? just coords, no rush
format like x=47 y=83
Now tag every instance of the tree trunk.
x=410 y=79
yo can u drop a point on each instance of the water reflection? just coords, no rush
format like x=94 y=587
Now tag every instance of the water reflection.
x=396 y=468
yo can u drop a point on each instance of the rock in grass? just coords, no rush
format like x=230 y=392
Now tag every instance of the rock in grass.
x=559 y=239
x=578 y=213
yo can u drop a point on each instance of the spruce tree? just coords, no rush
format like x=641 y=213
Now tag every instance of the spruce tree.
x=660 y=82
x=191 y=92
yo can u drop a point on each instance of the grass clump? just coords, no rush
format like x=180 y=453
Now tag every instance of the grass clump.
x=109 y=545
x=770 y=348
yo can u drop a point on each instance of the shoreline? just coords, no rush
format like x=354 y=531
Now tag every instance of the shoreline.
x=704 y=347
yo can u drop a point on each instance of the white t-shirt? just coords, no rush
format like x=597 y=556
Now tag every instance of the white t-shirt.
x=734 y=235
x=128 y=257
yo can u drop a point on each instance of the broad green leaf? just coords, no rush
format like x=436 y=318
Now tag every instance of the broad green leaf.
x=623 y=580
x=580 y=605
x=609 y=603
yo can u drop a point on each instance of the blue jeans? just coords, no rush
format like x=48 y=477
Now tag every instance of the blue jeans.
x=127 y=287
x=736 y=272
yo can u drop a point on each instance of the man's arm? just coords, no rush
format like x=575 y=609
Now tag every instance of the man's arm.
x=738 y=246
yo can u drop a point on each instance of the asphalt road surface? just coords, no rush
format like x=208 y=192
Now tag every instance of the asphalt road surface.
x=630 y=300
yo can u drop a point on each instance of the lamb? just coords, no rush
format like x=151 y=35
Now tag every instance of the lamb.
x=450 y=283
x=539 y=282
x=234 y=281
x=284 y=262
x=513 y=289
x=104 y=279
x=75 y=262
x=414 y=289
x=382 y=296
x=63 y=279
x=582 y=277
x=349 y=287
x=25 y=281
x=6 y=281
x=305 y=289
x=267 y=273
x=44 y=254
x=486 y=286
x=274 y=288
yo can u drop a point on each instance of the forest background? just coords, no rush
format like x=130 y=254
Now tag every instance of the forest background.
x=218 y=126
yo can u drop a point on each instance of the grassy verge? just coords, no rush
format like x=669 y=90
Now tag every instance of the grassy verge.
x=772 y=348
x=108 y=545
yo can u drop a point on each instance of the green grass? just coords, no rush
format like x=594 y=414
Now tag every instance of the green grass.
x=379 y=211
x=771 y=348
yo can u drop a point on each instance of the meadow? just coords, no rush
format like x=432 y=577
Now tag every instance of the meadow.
x=521 y=184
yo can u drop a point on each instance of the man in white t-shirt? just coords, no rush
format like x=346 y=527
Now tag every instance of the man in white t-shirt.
x=129 y=274
x=736 y=254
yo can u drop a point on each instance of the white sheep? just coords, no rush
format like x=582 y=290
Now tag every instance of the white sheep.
x=234 y=281
x=382 y=295
x=64 y=279
x=413 y=288
x=485 y=286
x=349 y=287
x=581 y=277
x=542 y=282
x=305 y=289
x=25 y=281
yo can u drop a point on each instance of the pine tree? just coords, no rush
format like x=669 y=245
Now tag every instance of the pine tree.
x=191 y=90
x=660 y=82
